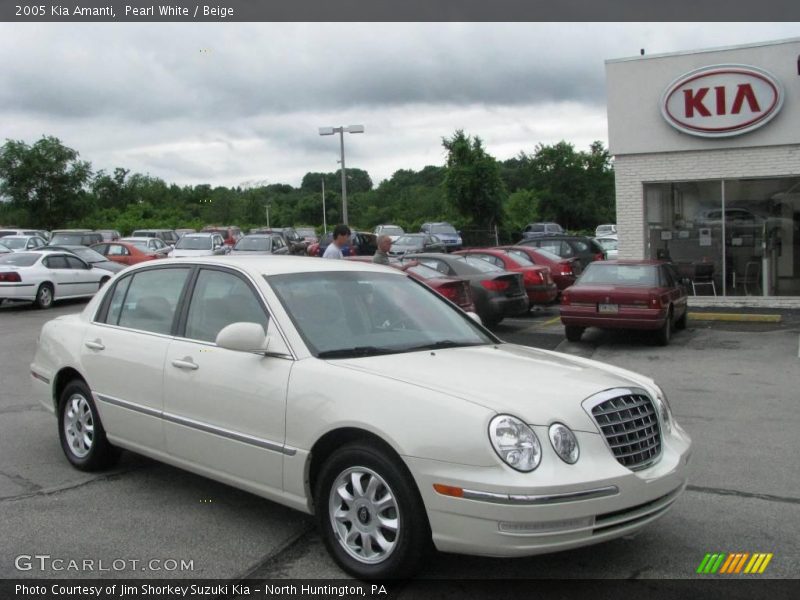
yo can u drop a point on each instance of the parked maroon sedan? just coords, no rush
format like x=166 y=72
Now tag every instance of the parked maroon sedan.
x=625 y=294
x=537 y=279
x=564 y=271
x=457 y=290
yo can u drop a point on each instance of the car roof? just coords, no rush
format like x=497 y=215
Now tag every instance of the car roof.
x=279 y=265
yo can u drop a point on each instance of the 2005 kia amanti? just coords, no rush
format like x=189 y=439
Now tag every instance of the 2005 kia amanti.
x=352 y=392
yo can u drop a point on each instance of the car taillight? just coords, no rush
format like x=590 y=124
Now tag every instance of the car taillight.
x=656 y=301
x=449 y=290
x=566 y=270
x=11 y=277
x=599 y=256
x=533 y=277
x=496 y=285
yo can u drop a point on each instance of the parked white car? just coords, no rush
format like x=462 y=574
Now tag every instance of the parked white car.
x=23 y=243
x=349 y=391
x=393 y=231
x=607 y=230
x=42 y=277
x=610 y=245
x=200 y=244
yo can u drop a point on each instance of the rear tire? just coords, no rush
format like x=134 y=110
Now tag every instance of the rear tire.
x=370 y=514
x=573 y=332
x=83 y=438
x=664 y=334
x=44 y=296
x=681 y=323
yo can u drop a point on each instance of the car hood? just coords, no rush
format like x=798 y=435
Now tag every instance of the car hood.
x=537 y=386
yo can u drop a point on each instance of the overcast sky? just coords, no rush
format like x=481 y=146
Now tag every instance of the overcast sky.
x=231 y=103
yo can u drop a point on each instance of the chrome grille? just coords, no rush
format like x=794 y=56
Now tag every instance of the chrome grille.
x=630 y=425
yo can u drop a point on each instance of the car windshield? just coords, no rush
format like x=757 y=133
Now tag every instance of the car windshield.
x=194 y=242
x=615 y=274
x=143 y=233
x=409 y=240
x=253 y=244
x=88 y=255
x=425 y=272
x=391 y=230
x=481 y=264
x=346 y=314
x=15 y=243
x=306 y=232
x=520 y=258
x=67 y=239
x=608 y=244
x=448 y=229
x=20 y=259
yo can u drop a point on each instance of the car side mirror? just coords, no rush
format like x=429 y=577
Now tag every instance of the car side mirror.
x=243 y=337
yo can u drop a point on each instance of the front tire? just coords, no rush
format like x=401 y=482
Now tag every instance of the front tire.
x=370 y=514
x=44 y=296
x=83 y=438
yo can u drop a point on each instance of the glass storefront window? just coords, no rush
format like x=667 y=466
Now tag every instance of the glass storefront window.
x=737 y=237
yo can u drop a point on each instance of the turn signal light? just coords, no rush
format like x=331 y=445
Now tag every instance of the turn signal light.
x=448 y=490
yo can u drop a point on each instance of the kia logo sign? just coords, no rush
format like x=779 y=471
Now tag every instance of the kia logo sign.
x=722 y=100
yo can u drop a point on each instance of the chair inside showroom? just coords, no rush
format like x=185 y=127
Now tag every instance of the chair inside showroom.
x=703 y=275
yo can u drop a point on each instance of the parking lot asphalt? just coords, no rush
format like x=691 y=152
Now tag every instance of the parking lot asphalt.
x=733 y=386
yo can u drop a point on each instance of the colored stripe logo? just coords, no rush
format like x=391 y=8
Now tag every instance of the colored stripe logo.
x=736 y=563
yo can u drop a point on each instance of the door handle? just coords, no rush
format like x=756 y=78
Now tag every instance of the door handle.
x=95 y=345
x=186 y=363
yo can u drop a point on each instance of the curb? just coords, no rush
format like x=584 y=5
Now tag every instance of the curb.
x=740 y=317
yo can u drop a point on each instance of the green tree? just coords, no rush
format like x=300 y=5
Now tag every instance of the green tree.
x=472 y=183
x=47 y=180
x=521 y=208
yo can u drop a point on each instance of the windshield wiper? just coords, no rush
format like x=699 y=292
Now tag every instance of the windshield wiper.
x=356 y=351
x=442 y=344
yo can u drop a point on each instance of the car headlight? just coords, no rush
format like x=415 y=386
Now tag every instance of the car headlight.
x=664 y=410
x=564 y=443
x=515 y=443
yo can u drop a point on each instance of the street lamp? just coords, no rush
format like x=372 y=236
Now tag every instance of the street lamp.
x=341 y=131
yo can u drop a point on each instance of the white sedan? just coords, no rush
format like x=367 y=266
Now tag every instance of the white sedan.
x=43 y=276
x=349 y=391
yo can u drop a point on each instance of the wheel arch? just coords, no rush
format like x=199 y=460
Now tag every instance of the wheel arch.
x=336 y=438
x=62 y=379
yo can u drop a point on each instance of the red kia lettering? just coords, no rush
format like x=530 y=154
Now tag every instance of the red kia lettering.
x=694 y=101
x=745 y=91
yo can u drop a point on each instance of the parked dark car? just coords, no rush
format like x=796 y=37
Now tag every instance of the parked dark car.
x=497 y=293
x=109 y=235
x=538 y=229
x=261 y=243
x=90 y=256
x=564 y=271
x=416 y=243
x=294 y=242
x=309 y=234
x=626 y=294
x=75 y=238
x=585 y=249
x=538 y=283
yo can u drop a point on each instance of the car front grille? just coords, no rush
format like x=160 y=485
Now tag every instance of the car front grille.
x=630 y=426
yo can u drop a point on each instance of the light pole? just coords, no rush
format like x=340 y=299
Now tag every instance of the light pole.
x=324 y=217
x=267 y=209
x=341 y=131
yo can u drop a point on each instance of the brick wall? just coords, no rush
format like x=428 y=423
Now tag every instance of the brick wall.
x=632 y=171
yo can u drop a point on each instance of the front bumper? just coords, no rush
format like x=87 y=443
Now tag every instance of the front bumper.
x=556 y=507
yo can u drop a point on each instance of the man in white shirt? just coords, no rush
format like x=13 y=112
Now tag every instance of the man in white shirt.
x=341 y=235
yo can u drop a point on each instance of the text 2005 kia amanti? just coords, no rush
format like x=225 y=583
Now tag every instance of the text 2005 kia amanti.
x=352 y=392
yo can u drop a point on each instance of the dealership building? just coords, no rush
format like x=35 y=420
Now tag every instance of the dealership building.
x=707 y=163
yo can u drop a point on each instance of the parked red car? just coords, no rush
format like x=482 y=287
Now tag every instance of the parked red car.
x=458 y=291
x=127 y=253
x=626 y=294
x=537 y=280
x=564 y=271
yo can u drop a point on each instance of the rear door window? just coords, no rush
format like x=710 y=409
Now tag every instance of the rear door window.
x=152 y=299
